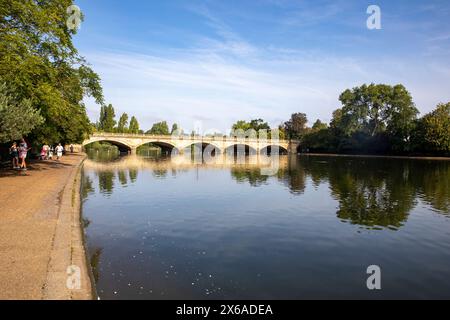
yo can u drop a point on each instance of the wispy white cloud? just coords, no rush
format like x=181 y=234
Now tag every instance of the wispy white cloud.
x=223 y=78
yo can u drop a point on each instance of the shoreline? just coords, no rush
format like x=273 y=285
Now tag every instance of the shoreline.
x=42 y=248
x=70 y=221
x=375 y=156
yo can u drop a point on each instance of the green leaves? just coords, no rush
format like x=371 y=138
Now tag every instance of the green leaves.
x=107 y=120
x=433 y=133
x=160 y=128
x=134 y=126
x=39 y=60
x=377 y=110
x=296 y=127
x=123 y=123
x=17 y=117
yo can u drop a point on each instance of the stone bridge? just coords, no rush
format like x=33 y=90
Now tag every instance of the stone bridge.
x=130 y=142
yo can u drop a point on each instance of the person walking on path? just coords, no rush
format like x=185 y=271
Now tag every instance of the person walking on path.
x=14 y=152
x=43 y=153
x=71 y=148
x=59 y=151
x=23 y=150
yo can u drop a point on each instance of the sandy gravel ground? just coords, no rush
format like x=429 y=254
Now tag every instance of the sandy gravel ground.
x=29 y=210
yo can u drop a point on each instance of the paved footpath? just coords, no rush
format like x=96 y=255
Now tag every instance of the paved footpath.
x=40 y=233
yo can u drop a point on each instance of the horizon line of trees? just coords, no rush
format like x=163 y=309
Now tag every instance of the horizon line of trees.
x=373 y=119
x=376 y=119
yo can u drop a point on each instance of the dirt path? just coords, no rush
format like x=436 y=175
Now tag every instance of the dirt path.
x=30 y=217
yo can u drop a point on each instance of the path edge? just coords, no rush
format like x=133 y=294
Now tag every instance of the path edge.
x=68 y=258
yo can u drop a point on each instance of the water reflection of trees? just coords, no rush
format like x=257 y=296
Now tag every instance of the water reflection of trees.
x=371 y=192
x=293 y=175
x=95 y=263
x=87 y=186
x=374 y=192
x=122 y=174
x=251 y=175
x=106 y=182
x=434 y=186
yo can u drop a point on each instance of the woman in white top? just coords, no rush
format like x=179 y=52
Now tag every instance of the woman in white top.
x=59 y=151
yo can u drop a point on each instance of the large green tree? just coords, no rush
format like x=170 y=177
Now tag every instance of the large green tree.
x=17 y=117
x=159 y=128
x=134 y=126
x=296 y=127
x=123 y=123
x=107 y=120
x=371 y=110
x=40 y=63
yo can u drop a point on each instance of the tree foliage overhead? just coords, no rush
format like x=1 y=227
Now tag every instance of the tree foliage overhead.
x=40 y=63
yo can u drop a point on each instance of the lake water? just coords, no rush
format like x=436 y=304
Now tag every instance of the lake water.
x=173 y=229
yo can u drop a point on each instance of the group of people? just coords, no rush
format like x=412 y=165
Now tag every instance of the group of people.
x=19 y=153
x=47 y=152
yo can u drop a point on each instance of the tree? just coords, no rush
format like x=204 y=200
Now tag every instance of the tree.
x=38 y=58
x=256 y=125
x=17 y=118
x=174 y=129
x=433 y=133
x=378 y=109
x=123 y=123
x=134 y=126
x=319 y=125
x=373 y=118
x=107 y=120
x=160 y=128
x=296 y=127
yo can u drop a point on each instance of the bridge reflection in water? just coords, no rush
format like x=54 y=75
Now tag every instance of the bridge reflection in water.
x=182 y=161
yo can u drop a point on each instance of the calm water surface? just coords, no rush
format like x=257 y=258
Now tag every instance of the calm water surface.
x=170 y=229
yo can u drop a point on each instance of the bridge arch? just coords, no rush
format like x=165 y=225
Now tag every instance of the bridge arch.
x=268 y=149
x=208 y=147
x=123 y=146
x=238 y=148
x=166 y=146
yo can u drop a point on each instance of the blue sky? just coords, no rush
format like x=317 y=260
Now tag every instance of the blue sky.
x=207 y=64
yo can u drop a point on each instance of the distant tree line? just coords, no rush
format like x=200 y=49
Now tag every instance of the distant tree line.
x=107 y=122
x=375 y=119
x=254 y=126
